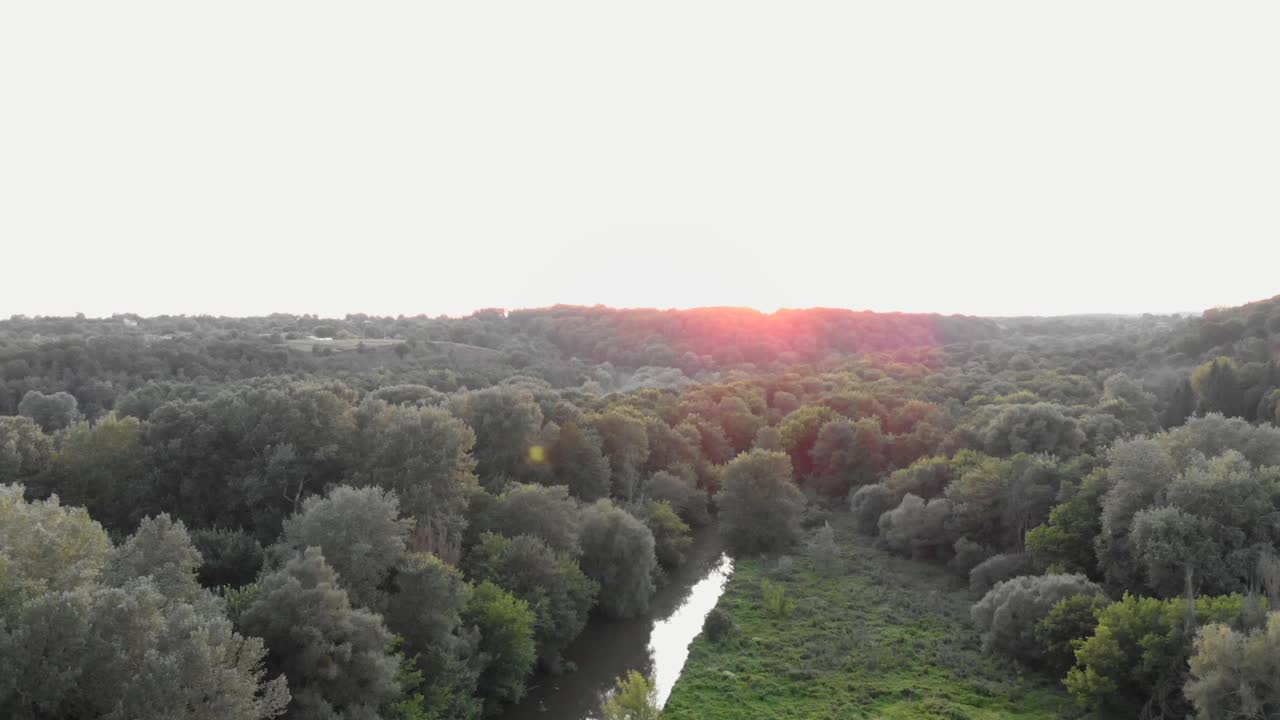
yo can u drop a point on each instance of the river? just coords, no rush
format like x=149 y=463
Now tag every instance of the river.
x=656 y=644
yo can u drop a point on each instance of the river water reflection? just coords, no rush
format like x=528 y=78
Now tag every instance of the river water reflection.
x=656 y=644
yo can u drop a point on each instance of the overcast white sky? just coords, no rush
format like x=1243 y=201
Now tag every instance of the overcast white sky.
x=404 y=157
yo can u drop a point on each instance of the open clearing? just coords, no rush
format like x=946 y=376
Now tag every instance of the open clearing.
x=885 y=638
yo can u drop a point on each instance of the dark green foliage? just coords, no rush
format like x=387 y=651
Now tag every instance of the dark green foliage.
x=847 y=454
x=968 y=555
x=867 y=504
x=998 y=568
x=335 y=656
x=91 y=631
x=799 y=433
x=421 y=455
x=625 y=443
x=578 y=463
x=1065 y=627
x=1009 y=614
x=759 y=503
x=25 y=451
x=671 y=536
x=507 y=646
x=918 y=529
x=1137 y=656
x=51 y=412
x=925 y=478
x=1218 y=389
x=98 y=466
x=1065 y=542
x=554 y=588
x=682 y=493
x=618 y=554
x=230 y=558
x=718 y=626
x=130 y=651
x=506 y=422
x=547 y=513
x=1041 y=427
x=360 y=532
x=423 y=606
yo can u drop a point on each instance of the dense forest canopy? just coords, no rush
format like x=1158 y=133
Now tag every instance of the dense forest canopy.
x=370 y=517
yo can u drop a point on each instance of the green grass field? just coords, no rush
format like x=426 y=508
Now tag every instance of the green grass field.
x=885 y=638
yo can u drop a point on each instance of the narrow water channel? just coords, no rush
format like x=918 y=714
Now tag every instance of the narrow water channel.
x=656 y=644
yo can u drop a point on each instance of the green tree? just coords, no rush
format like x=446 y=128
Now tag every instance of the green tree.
x=506 y=641
x=1217 y=387
x=760 y=505
x=578 y=463
x=918 y=528
x=97 y=467
x=51 y=412
x=1137 y=655
x=360 y=532
x=626 y=444
x=1234 y=674
x=618 y=554
x=671 y=536
x=557 y=592
x=867 y=504
x=1065 y=627
x=46 y=547
x=131 y=652
x=925 y=478
x=336 y=657
x=634 y=697
x=847 y=453
x=229 y=558
x=506 y=422
x=799 y=433
x=424 y=604
x=681 y=491
x=160 y=549
x=1008 y=616
x=422 y=454
x=91 y=631
x=1065 y=542
x=547 y=513
x=25 y=451
x=1035 y=428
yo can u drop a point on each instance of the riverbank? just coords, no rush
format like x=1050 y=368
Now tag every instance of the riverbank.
x=886 y=638
x=654 y=644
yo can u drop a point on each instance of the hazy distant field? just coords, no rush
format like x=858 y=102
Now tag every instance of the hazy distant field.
x=344 y=345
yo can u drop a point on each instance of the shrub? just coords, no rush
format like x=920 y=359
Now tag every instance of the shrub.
x=719 y=626
x=1007 y=616
x=867 y=504
x=824 y=552
x=998 y=568
x=918 y=528
x=969 y=555
x=776 y=601
x=636 y=698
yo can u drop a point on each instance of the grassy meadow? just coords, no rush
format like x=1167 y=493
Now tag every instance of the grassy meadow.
x=882 y=638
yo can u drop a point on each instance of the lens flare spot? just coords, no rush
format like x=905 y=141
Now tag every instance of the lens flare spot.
x=537 y=454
